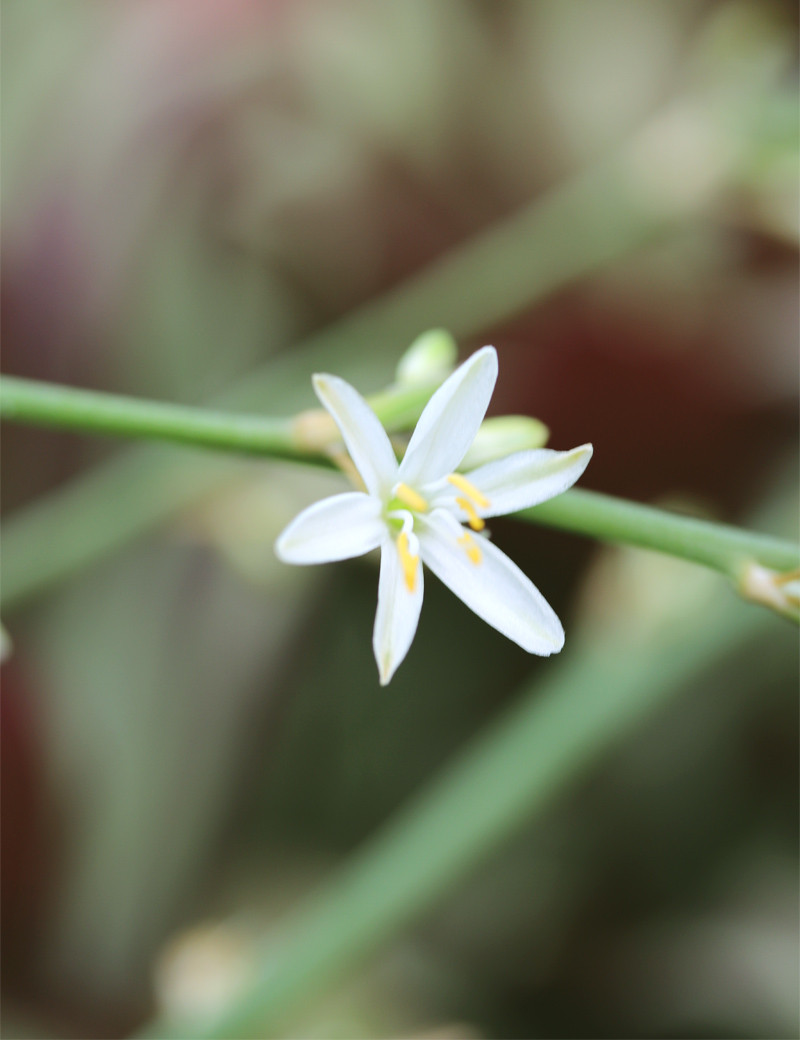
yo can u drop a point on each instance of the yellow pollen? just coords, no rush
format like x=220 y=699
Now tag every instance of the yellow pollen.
x=457 y=480
x=407 y=561
x=475 y=522
x=409 y=497
x=470 y=548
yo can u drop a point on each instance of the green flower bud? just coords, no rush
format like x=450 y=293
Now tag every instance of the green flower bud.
x=504 y=435
x=430 y=357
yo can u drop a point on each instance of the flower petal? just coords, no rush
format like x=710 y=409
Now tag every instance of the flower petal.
x=398 y=612
x=336 y=528
x=450 y=420
x=365 y=438
x=527 y=478
x=495 y=588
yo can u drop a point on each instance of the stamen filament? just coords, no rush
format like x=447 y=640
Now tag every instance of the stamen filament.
x=470 y=548
x=407 y=561
x=475 y=522
x=461 y=482
x=409 y=497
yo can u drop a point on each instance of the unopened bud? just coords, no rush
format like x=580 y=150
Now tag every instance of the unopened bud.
x=314 y=430
x=504 y=435
x=430 y=357
x=781 y=591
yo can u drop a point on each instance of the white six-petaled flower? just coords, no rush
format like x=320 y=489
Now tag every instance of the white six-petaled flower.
x=415 y=511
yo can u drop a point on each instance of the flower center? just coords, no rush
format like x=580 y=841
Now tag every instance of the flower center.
x=406 y=502
x=409 y=497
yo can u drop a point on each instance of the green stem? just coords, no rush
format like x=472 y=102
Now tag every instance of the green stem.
x=718 y=546
x=90 y=411
x=509 y=775
x=723 y=548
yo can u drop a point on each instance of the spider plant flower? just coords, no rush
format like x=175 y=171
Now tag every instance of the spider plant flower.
x=422 y=510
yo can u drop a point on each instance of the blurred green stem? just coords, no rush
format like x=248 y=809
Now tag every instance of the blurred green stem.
x=725 y=549
x=512 y=772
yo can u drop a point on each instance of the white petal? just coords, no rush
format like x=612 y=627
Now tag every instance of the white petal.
x=398 y=612
x=495 y=588
x=450 y=420
x=336 y=528
x=528 y=478
x=365 y=438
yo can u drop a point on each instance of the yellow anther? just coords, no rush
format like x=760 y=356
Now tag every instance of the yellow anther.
x=407 y=561
x=409 y=497
x=470 y=548
x=475 y=522
x=457 y=480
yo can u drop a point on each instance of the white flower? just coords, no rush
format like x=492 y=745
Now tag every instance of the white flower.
x=415 y=511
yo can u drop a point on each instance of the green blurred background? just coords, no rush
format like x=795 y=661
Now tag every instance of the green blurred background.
x=197 y=193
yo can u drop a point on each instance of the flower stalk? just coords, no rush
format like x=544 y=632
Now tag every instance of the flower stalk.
x=722 y=547
x=729 y=550
x=304 y=438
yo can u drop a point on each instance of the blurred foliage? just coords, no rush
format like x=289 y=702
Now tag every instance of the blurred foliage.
x=193 y=735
